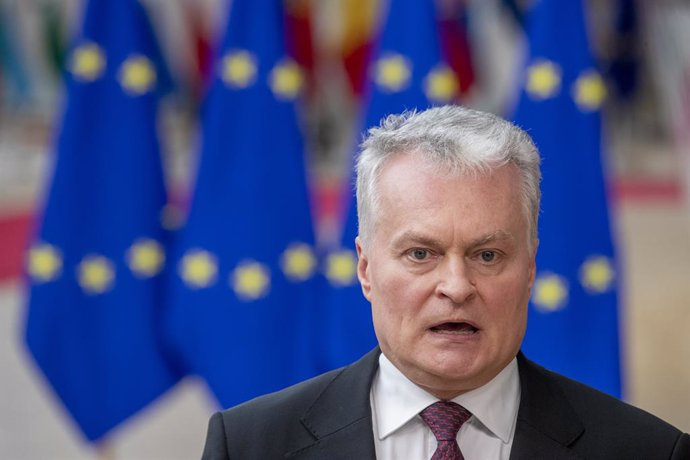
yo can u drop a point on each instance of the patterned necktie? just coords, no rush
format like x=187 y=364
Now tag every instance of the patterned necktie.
x=445 y=418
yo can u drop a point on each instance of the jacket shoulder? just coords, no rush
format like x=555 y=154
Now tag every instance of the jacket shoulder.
x=611 y=427
x=596 y=407
x=295 y=399
x=283 y=423
x=275 y=417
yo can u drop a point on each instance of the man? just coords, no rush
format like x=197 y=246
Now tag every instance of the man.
x=448 y=203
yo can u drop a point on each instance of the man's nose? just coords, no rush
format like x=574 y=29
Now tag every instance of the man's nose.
x=455 y=281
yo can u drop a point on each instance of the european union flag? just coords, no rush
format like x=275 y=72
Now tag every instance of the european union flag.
x=94 y=270
x=408 y=72
x=243 y=307
x=573 y=317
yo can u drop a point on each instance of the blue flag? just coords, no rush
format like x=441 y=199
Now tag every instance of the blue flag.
x=408 y=72
x=243 y=306
x=94 y=270
x=573 y=317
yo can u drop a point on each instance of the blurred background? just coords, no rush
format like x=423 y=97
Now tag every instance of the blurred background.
x=218 y=164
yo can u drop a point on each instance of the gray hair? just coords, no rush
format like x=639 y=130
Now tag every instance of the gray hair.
x=454 y=138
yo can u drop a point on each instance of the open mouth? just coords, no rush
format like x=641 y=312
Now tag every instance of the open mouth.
x=455 y=328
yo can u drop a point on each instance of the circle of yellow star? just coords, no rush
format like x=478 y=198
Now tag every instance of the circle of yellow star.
x=87 y=62
x=298 y=262
x=145 y=258
x=589 y=91
x=198 y=268
x=441 y=84
x=392 y=72
x=597 y=274
x=341 y=268
x=44 y=263
x=550 y=292
x=286 y=79
x=250 y=280
x=95 y=274
x=543 y=79
x=137 y=75
x=238 y=68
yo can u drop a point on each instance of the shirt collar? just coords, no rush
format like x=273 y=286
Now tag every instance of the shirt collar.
x=397 y=400
x=496 y=403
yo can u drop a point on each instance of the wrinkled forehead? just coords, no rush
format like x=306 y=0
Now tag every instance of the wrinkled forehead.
x=442 y=167
x=401 y=169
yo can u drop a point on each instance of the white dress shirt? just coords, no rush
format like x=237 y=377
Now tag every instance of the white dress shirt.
x=399 y=432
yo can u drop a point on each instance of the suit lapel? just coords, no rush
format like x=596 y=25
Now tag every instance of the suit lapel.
x=340 y=418
x=547 y=425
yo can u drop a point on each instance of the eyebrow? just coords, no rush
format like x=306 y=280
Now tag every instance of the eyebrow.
x=498 y=235
x=411 y=235
x=425 y=240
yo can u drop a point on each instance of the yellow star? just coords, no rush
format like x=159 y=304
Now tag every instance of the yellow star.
x=597 y=274
x=137 y=75
x=543 y=79
x=298 y=262
x=238 y=68
x=286 y=79
x=341 y=268
x=393 y=72
x=589 y=91
x=198 y=268
x=250 y=280
x=550 y=292
x=45 y=263
x=87 y=62
x=441 y=84
x=95 y=274
x=145 y=258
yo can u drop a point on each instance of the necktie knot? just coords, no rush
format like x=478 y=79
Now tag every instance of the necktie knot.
x=445 y=418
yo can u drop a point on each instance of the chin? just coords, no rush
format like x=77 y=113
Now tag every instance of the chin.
x=454 y=371
x=448 y=386
x=467 y=369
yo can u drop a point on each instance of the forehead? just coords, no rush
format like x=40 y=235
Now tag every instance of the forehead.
x=413 y=192
x=403 y=170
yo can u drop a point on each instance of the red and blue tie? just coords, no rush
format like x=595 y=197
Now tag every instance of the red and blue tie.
x=445 y=418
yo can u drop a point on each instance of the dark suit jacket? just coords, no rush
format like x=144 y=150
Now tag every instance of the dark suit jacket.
x=329 y=417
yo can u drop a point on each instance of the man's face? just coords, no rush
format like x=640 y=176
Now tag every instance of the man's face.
x=448 y=270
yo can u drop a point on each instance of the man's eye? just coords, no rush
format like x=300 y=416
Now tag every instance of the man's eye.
x=419 y=254
x=488 y=256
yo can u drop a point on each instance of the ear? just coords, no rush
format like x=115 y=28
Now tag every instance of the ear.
x=363 y=269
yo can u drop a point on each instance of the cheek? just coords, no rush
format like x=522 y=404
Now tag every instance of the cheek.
x=397 y=300
x=384 y=303
x=388 y=283
x=507 y=300
x=387 y=327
